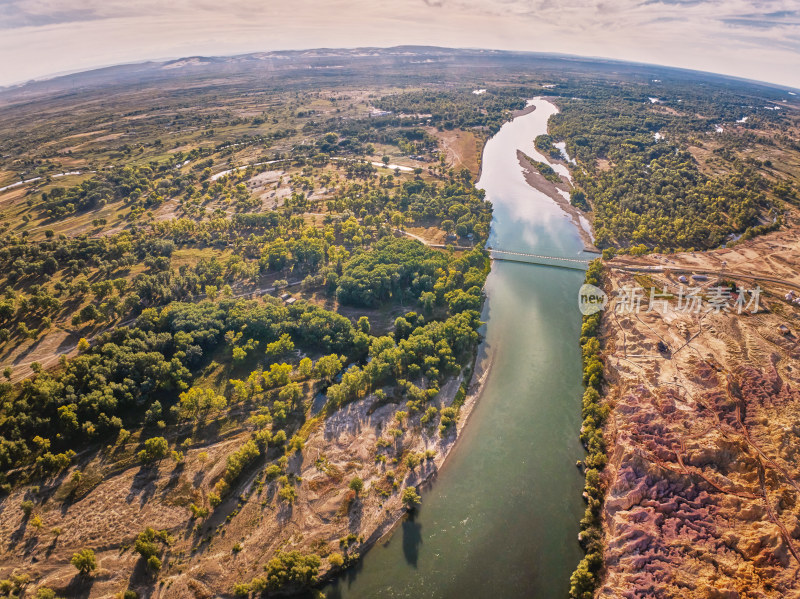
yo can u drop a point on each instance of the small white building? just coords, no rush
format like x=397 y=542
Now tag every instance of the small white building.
x=683 y=279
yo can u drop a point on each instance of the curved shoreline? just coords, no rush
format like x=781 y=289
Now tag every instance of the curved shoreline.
x=538 y=182
x=387 y=529
x=451 y=522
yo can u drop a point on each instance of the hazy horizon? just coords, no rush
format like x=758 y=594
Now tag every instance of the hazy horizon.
x=168 y=59
x=752 y=39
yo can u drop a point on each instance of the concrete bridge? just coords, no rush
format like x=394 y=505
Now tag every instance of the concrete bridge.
x=538 y=259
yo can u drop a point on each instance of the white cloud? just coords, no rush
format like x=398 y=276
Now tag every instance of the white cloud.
x=749 y=38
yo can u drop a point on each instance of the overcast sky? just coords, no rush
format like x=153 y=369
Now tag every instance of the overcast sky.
x=758 y=39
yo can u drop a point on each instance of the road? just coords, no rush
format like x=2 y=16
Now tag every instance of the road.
x=716 y=273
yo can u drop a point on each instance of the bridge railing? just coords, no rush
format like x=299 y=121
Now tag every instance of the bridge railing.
x=499 y=254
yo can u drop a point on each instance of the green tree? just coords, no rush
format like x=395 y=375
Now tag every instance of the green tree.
x=402 y=328
x=356 y=485
x=328 y=366
x=363 y=324
x=410 y=497
x=84 y=561
x=412 y=460
x=288 y=494
x=290 y=394
x=155 y=449
x=305 y=368
x=292 y=568
x=336 y=560
x=154 y=563
x=279 y=348
x=198 y=402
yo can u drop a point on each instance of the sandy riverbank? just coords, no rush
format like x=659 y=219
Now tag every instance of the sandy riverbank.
x=551 y=190
x=478 y=381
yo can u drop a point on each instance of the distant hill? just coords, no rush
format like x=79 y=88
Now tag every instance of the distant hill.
x=414 y=62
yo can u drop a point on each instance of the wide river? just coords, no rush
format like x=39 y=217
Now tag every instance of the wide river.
x=501 y=520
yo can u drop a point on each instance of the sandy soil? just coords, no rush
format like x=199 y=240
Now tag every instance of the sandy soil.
x=773 y=256
x=118 y=498
x=703 y=476
x=462 y=148
x=551 y=190
x=263 y=186
x=428 y=235
x=47 y=349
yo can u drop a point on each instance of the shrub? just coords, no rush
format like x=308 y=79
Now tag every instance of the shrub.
x=292 y=568
x=198 y=512
x=288 y=494
x=147 y=545
x=84 y=562
x=154 y=449
x=411 y=498
x=272 y=471
x=449 y=417
x=412 y=460
x=154 y=563
x=336 y=560
x=238 y=460
x=356 y=485
x=241 y=589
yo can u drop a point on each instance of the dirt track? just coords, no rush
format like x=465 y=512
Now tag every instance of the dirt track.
x=703 y=476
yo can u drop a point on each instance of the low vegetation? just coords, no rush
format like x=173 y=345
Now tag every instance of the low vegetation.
x=225 y=266
x=586 y=577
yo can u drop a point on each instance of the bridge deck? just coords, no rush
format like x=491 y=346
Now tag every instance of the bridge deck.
x=539 y=259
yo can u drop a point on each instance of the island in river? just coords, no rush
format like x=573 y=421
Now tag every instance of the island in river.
x=233 y=363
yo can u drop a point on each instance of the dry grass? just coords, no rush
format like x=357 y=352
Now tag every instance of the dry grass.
x=461 y=148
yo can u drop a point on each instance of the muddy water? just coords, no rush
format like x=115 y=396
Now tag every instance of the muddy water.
x=501 y=520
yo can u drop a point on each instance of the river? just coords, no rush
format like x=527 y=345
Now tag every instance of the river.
x=501 y=521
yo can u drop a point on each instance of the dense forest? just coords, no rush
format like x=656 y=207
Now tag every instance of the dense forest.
x=457 y=109
x=130 y=376
x=202 y=288
x=642 y=162
x=252 y=278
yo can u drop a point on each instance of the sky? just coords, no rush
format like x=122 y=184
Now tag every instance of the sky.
x=756 y=39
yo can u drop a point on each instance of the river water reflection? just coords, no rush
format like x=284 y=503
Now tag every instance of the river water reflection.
x=501 y=520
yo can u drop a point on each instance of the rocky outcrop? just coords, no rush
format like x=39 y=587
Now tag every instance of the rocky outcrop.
x=703 y=478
